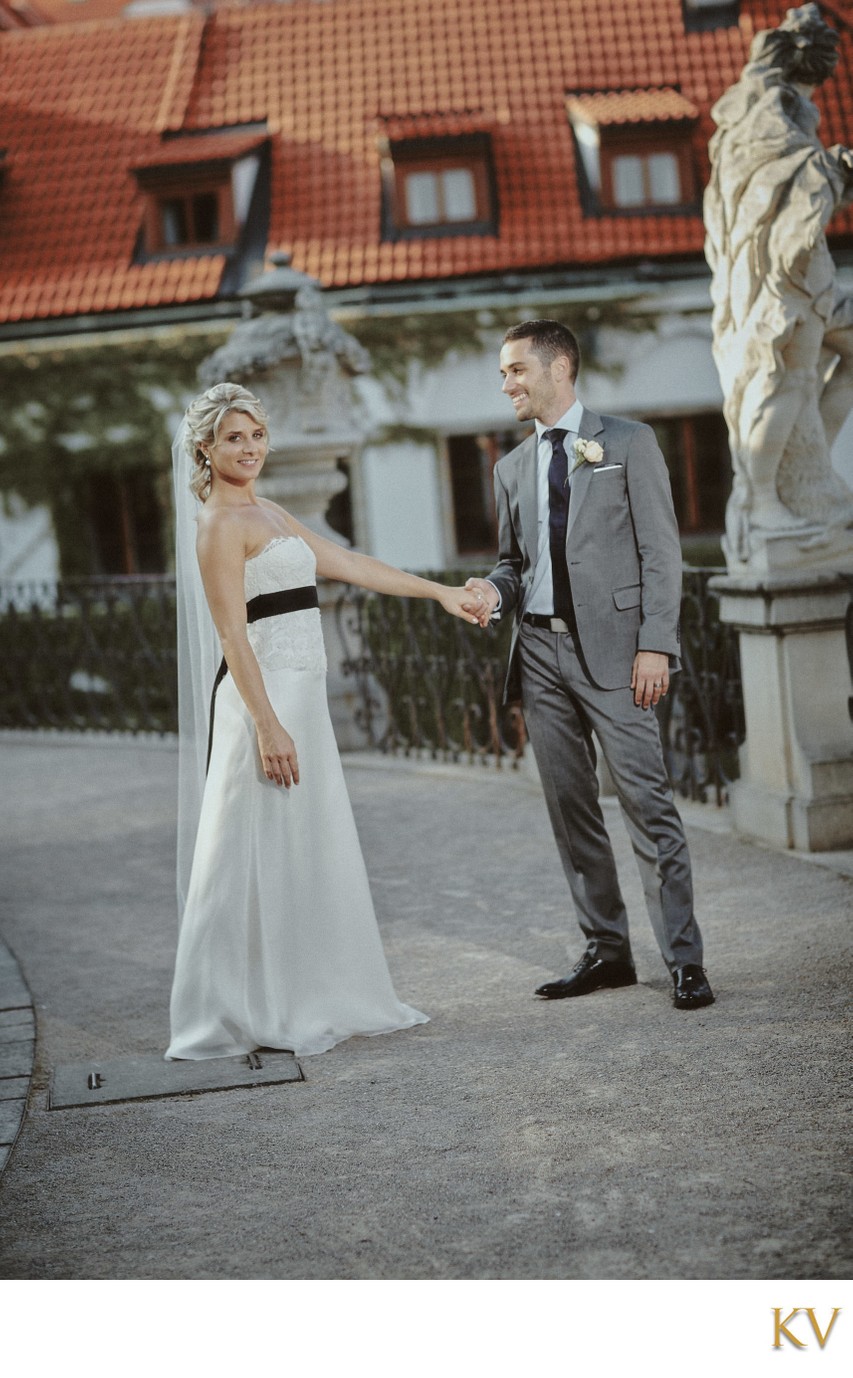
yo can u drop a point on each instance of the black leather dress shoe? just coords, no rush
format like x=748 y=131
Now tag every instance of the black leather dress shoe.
x=591 y=973
x=691 y=988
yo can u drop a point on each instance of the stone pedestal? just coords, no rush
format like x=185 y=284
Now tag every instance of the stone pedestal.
x=804 y=550
x=305 y=481
x=796 y=783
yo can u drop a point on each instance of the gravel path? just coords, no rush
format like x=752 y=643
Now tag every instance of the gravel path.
x=609 y=1137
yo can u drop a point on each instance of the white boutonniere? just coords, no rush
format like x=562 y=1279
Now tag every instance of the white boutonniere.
x=587 y=452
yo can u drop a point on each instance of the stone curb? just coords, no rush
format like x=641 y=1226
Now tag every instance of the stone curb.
x=50 y=736
x=17 y=1050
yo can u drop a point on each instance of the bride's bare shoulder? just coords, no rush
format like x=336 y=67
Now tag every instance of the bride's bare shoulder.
x=223 y=525
x=274 y=507
x=278 y=513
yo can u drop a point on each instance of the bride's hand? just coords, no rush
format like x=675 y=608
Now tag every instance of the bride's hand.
x=459 y=602
x=278 y=756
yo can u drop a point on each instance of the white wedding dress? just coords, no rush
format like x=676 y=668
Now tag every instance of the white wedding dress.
x=279 y=946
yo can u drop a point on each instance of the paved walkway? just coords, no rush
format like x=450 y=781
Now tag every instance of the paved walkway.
x=608 y=1137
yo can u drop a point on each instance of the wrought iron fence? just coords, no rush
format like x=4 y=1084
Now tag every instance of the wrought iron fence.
x=430 y=686
x=427 y=684
x=702 y=718
x=99 y=654
x=89 y=655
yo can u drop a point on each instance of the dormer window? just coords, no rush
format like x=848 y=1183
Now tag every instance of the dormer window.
x=701 y=15
x=438 y=186
x=438 y=193
x=203 y=218
x=645 y=177
x=198 y=192
x=635 y=150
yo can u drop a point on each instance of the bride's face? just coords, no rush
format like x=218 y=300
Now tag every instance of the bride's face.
x=239 y=450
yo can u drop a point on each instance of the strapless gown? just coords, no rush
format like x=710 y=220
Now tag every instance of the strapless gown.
x=279 y=946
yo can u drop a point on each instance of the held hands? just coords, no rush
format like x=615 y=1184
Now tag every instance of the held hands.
x=482 y=600
x=649 y=678
x=278 y=756
x=460 y=602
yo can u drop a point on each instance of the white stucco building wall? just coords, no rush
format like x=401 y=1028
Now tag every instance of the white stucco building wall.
x=666 y=370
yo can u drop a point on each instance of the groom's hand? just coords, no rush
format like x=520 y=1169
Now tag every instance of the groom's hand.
x=649 y=678
x=484 y=600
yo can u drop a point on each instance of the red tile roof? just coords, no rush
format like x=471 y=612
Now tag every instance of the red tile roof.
x=434 y=124
x=81 y=11
x=20 y=14
x=201 y=148
x=82 y=105
x=632 y=107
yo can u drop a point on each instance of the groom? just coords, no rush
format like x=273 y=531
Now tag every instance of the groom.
x=590 y=561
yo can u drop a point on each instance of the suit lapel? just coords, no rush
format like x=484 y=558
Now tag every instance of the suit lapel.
x=528 y=500
x=591 y=425
x=528 y=485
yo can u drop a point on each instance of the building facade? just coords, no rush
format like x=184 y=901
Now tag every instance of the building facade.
x=442 y=171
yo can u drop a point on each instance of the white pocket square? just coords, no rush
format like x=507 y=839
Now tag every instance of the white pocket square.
x=603 y=468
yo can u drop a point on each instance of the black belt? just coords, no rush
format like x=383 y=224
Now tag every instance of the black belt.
x=264 y=605
x=547 y=624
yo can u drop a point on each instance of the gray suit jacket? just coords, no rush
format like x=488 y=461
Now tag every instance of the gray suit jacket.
x=622 y=546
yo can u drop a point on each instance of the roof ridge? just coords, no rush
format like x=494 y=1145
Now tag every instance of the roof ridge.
x=83 y=106
x=192 y=26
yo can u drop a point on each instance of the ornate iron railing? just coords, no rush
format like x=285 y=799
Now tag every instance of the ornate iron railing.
x=99 y=654
x=702 y=717
x=428 y=685
x=431 y=686
x=89 y=655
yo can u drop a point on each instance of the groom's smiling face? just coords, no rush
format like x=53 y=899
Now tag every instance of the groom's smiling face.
x=536 y=390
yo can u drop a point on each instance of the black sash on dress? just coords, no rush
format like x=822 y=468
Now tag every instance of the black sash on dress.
x=264 y=605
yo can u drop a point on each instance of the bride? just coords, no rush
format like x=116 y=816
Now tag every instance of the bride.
x=278 y=944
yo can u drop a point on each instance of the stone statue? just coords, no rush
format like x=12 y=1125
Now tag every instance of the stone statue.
x=783 y=329
x=305 y=335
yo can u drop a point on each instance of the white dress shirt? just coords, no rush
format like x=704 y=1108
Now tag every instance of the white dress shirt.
x=541 y=599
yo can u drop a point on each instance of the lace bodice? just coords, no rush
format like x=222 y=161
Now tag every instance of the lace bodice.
x=293 y=640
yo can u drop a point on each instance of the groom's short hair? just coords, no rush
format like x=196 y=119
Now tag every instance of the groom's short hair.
x=549 y=339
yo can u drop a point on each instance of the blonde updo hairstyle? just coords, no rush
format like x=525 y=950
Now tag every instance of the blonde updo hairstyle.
x=204 y=417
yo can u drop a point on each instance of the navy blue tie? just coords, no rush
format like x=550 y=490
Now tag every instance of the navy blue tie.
x=558 y=520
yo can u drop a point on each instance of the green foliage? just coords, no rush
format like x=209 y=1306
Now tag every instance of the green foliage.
x=399 y=434
x=395 y=342
x=588 y=319
x=73 y=414
x=77 y=412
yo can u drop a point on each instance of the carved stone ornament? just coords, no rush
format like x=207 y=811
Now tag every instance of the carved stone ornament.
x=289 y=324
x=301 y=364
x=783 y=328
